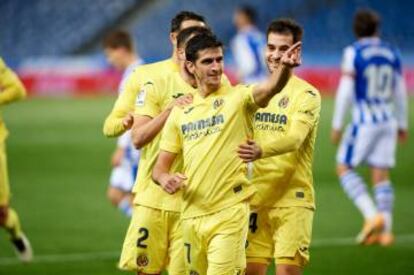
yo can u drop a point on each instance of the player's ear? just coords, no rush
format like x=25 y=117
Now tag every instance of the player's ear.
x=173 y=38
x=181 y=53
x=190 y=66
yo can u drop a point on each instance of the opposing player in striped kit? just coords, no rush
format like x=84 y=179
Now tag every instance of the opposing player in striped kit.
x=372 y=83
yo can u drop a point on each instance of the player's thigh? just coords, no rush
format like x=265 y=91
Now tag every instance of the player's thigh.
x=227 y=240
x=382 y=156
x=292 y=234
x=355 y=145
x=145 y=246
x=4 y=179
x=195 y=248
x=259 y=248
x=176 y=264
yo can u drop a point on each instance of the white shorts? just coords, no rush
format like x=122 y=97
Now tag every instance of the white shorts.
x=123 y=176
x=371 y=144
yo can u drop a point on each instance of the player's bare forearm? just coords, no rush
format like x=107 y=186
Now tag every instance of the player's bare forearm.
x=171 y=183
x=264 y=92
x=145 y=129
x=162 y=165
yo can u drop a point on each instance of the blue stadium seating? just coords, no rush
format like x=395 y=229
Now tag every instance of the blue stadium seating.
x=48 y=27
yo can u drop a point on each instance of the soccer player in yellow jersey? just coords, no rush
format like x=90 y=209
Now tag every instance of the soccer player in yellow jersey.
x=11 y=89
x=121 y=117
x=284 y=137
x=213 y=179
x=154 y=238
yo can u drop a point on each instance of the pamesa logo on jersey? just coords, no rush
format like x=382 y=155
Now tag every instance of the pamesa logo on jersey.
x=270 y=117
x=202 y=124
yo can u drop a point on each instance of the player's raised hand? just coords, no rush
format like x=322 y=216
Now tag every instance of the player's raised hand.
x=172 y=183
x=128 y=121
x=293 y=56
x=336 y=136
x=184 y=100
x=249 y=151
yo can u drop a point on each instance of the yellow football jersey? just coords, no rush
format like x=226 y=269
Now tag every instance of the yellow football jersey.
x=11 y=89
x=126 y=100
x=207 y=134
x=286 y=180
x=154 y=98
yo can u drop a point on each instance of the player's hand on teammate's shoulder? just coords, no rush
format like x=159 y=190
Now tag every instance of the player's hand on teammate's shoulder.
x=182 y=101
x=249 y=151
x=292 y=57
x=128 y=121
x=336 y=136
x=402 y=135
x=171 y=183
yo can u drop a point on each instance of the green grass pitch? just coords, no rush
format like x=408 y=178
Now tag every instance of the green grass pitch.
x=59 y=168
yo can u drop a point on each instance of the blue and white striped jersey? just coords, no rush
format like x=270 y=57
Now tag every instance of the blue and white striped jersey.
x=372 y=82
x=248 y=52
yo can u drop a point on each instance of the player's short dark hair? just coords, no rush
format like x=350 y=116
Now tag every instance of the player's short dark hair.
x=201 y=42
x=249 y=12
x=366 y=23
x=286 y=26
x=118 y=39
x=182 y=16
x=185 y=34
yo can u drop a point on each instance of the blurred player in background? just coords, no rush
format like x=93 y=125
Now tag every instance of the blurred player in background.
x=120 y=53
x=11 y=89
x=282 y=151
x=215 y=206
x=153 y=240
x=248 y=46
x=372 y=83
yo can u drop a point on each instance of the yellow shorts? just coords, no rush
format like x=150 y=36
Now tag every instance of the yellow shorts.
x=281 y=233
x=153 y=242
x=215 y=244
x=4 y=179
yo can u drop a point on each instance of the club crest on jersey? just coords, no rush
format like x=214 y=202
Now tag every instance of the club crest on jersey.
x=218 y=102
x=142 y=260
x=283 y=102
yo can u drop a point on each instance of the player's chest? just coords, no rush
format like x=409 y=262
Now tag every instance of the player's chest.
x=207 y=119
x=276 y=116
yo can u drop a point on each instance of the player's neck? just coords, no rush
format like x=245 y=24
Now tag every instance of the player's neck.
x=174 y=57
x=130 y=59
x=205 y=90
x=188 y=78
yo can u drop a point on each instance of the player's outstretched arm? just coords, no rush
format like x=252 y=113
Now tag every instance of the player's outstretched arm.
x=11 y=88
x=171 y=183
x=264 y=91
